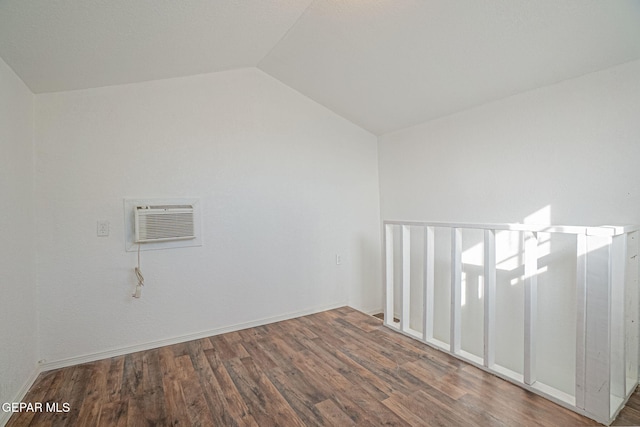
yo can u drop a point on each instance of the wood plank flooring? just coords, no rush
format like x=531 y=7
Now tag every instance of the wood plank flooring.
x=336 y=368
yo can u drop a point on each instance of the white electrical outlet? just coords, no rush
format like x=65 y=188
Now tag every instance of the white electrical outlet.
x=338 y=259
x=103 y=228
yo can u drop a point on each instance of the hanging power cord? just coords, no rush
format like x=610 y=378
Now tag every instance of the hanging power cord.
x=139 y=276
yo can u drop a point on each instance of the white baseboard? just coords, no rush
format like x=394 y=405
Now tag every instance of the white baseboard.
x=4 y=416
x=370 y=312
x=76 y=360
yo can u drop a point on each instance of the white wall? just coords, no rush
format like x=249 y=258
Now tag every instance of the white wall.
x=568 y=154
x=573 y=146
x=285 y=184
x=17 y=257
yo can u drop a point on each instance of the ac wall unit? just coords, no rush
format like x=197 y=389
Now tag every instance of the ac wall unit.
x=163 y=223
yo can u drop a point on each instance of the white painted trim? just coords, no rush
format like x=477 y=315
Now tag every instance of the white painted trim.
x=618 y=365
x=76 y=360
x=611 y=230
x=388 y=275
x=21 y=393
x=530 y=305
x=489 y=298
x=600 y=354
x=581 y=319
x=472 y=358
x=413 y=333
x=405 y=282
x=605 y=230
x=369 y=311
x=429 y=284
x=440 y=345
x=598 y=321
x=455 y=340
x=631 y=298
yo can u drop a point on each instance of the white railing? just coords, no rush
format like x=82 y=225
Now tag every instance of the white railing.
x=604 y=315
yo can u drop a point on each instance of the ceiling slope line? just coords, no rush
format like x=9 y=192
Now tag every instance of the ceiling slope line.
x=285 y=34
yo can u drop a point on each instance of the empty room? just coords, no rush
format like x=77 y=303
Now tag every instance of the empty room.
x=319 y=212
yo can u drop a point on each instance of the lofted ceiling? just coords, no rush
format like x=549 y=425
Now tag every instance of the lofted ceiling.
x=383 y=64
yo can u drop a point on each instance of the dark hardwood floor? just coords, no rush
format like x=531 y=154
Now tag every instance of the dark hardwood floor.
x=339 y=367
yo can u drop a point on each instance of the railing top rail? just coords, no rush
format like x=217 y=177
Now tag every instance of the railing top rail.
x=604 y=230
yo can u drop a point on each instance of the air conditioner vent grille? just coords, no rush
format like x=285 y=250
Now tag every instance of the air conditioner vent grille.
x=163 y=223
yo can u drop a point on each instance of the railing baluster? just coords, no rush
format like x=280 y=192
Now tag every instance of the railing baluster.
x=489 y=297
x=428 y=277
x=617 y=261
x=405 y=293
x=530 y=305
x=581 y=311
x=631 y=311
x=456 y=289
x=388 y=243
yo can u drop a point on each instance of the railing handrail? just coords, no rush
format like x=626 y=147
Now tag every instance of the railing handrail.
x=603 y=230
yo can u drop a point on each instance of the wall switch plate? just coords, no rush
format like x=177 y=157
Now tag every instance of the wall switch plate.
x=103 y=228
x=338 y=259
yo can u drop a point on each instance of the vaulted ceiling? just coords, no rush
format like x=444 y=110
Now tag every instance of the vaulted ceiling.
x=383 y=64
